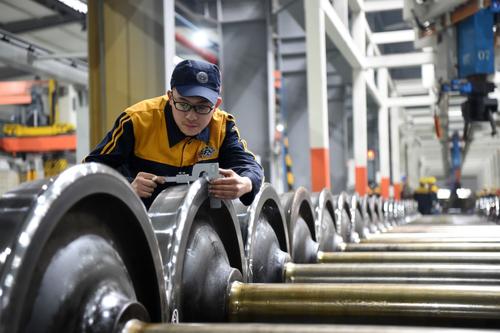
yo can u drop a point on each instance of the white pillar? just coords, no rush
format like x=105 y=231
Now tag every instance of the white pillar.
x=274 y=161
x=317 y=99
x=359 y=105
x=489 y=173
x=495 y=167
x=422 y=167
x=383 y=133
x=395 y=152
x=493 y=171
x=497 y=180
x=82 y=128
x=169 y=39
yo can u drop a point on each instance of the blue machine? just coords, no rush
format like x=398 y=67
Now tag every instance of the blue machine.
x=476 y=54
x=476 y=60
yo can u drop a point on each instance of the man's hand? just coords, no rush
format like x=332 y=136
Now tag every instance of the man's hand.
x=145 y=183
x=232 y=186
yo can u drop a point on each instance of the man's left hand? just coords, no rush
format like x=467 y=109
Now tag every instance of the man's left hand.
x=232 y=186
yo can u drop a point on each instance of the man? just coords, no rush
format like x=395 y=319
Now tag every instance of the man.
x=423 y=197
x=167 y=135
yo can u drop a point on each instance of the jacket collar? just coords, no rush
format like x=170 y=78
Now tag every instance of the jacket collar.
x=175 y=134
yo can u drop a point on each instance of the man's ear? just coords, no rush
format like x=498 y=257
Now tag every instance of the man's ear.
x=219 y=102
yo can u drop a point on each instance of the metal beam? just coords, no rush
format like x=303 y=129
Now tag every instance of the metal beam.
x=356 y=5
x=390 y=37
x=419 y=112
x=75 y=55
x=374 y=93
x=22 y=26
x=342 y=9
x=383 y=5
x=26 y=60
x=410 y=87
x=409 y=101
x=341 y=37
x=400 y=60
x=61 y=8
x=376 y=50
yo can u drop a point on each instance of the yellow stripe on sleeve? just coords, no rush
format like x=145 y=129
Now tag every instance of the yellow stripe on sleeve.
x=116 y=134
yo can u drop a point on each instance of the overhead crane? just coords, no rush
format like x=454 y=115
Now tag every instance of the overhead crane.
x=462 y=34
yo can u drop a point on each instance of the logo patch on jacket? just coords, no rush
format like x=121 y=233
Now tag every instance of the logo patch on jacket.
x=206 y=152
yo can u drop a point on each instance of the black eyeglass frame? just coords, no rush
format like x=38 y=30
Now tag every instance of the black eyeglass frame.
x=191 y=106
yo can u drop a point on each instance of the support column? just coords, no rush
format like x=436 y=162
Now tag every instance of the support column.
x=383 y=134
x=412 y=150
x=245 y=88
x=395 y=153
x=494 y=170
x=169 y=39
x=480 y=179
x=126 y=58
x=317 y=99
x=359 y=106
x=497 y=180
x=274 y=160
x=488 y=174
x=82 y=127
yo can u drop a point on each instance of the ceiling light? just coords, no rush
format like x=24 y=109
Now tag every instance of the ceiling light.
x=76 y=5
x=200 y=38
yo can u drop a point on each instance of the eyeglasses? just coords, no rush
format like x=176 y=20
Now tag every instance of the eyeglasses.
x=186 y=107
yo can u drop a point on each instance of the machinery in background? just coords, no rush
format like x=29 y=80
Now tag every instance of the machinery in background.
x=33 y=142
x=488 y=203
x=462 y=34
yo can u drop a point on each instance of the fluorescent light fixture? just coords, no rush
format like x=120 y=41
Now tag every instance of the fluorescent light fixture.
x=443 y=194
x=200 y=38
x=76 y=5
x=463 y=193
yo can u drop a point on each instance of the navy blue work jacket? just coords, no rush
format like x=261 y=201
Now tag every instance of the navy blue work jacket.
x=146 y=138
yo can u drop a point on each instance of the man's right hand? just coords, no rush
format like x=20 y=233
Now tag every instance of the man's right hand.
x=145 y=183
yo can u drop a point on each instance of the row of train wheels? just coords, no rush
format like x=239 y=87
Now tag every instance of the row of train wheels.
x=80 y=253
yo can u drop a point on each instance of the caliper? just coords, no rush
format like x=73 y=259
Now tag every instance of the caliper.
x=209 y=171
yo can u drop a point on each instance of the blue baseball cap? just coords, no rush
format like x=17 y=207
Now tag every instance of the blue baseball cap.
x=197 y=78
